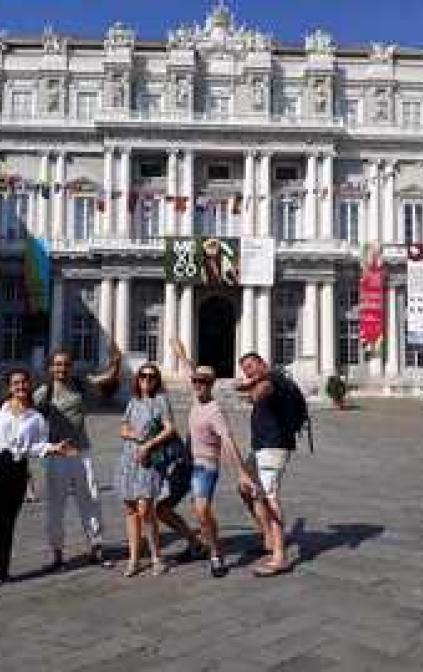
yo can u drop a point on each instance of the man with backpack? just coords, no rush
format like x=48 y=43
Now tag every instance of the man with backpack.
x=278 y=412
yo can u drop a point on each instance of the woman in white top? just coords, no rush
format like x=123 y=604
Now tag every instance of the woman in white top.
x=23 y=434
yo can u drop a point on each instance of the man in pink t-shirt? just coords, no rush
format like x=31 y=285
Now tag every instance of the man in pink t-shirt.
x=210 y=440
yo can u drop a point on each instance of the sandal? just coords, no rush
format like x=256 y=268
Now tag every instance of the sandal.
x=132 y=569
x=159 y=567
x=267 y=569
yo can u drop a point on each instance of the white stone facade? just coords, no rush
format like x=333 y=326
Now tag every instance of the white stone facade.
x=319 y=146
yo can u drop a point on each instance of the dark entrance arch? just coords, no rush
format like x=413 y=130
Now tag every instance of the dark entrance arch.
x=216 y=335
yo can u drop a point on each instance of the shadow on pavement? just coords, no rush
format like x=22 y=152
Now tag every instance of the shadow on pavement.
x=311 y=543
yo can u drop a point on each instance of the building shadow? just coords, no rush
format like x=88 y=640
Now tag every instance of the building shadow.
x=312 y=543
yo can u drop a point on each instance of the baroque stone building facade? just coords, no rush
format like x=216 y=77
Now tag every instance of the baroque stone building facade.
x=108 y=147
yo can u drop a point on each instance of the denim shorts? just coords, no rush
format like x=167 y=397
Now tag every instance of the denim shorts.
x=203 y=481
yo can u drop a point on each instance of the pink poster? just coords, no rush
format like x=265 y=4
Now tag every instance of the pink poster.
x=371 y=307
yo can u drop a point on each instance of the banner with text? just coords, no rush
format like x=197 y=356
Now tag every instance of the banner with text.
x=415 y=294
x=371 y=300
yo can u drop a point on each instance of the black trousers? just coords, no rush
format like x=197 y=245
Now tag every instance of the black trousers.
x=13 y=479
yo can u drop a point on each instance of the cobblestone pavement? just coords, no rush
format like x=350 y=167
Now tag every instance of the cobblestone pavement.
x=354 y=602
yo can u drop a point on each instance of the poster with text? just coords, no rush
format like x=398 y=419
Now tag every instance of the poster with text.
x=257 y=262
x=208 y=261
x=371 y=300
x=415 y=294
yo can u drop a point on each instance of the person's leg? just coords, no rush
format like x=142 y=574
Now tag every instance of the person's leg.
x=13 y=493
x=88 y=499
x=57 y=482
x=150 y=528
x=133 y=531
x=277 y=561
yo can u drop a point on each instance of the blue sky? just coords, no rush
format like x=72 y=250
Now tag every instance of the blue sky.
x=350 y=21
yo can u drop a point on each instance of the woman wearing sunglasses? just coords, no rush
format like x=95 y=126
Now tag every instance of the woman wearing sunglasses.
x=210 y=440
x=147 y=425
x=23 y=434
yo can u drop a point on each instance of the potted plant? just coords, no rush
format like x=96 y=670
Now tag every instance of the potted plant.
x=336 y=389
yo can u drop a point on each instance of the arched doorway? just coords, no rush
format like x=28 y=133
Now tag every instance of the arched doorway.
x=216 y=335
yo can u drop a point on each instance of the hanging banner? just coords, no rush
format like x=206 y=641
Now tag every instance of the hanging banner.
x=37 y=273
x=415 y=294
x=257 y=262
x=202 y=260
x=371 y=301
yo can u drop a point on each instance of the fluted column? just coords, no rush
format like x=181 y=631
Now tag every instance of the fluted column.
x=247 y=320
x=186 y=314
x=59 y=196
x=105 y=319
x=310 y=214
x=187 y=226
x=170 y=325
x=172 y=191
x=326 y=227
x=264 y=228
x=264 y=322
x=108 y=188
x=57 y=315
x=249 y=195
x=124 y=178
x=122 y=315
x=392 y=355
x=327 y=328
x=389 y=205
x=42 y=226
x=374 y=204
x=309 y=321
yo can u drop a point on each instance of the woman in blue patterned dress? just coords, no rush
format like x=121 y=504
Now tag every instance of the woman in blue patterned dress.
x=147 y=425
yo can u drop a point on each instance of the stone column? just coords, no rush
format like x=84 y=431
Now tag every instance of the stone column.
x=309 y=325
x=42 y=214
x=123 y=214
x=105 y=319
x=249 y=195
x=310 y=214
x=247 y=320
x=172 y=191
x=264 y=228
x=187 y=226
x=186 y=314
x=108 y=188
x=392 y=356
x=327 y=328
x=389 y=205
x=326 y=227
x=122 y=315
x=170 y=328
x=264 y=322
x=374 y=204
x=59 y=199
x=57 y=315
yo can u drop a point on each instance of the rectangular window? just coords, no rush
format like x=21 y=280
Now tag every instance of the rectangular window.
x=213 y=219
x=83 y=337
x=149 y=104
x=285 y=173
x=411 y=113
x=218 y=171
x=287 y=107
x=348 y=325
x=413 y=222
x=13 y=216
x=350 y=111
x=219 y=106
x=146 y=219
x=287 y=304
x=285 y=225
x=22 y=104
x=147 y=336
x=348 y=221
x=84 y=210
x=285 y=340
x=11 y=290
x=12 y=337
x=87 y=105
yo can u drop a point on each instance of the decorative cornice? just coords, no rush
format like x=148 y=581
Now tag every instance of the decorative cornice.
x=219 y=33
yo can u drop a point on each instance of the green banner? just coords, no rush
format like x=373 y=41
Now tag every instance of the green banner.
x=202 y=260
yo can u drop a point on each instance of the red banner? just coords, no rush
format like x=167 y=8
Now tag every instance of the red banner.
x=371 y=305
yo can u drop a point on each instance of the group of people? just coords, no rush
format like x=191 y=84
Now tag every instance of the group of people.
x=156 y=469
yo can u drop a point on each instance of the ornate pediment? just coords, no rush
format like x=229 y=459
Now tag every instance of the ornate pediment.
x=53 y=44
x=382 y=53
x=220 y=34
x=120 y=40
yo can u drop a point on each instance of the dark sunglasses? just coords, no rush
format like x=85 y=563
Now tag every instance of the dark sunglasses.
x=200 y=381
x=148 y=376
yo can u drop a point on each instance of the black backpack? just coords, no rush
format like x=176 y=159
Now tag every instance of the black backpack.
x=292 y=406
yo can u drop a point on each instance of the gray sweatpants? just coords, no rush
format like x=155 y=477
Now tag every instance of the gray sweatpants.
x=76 y=474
